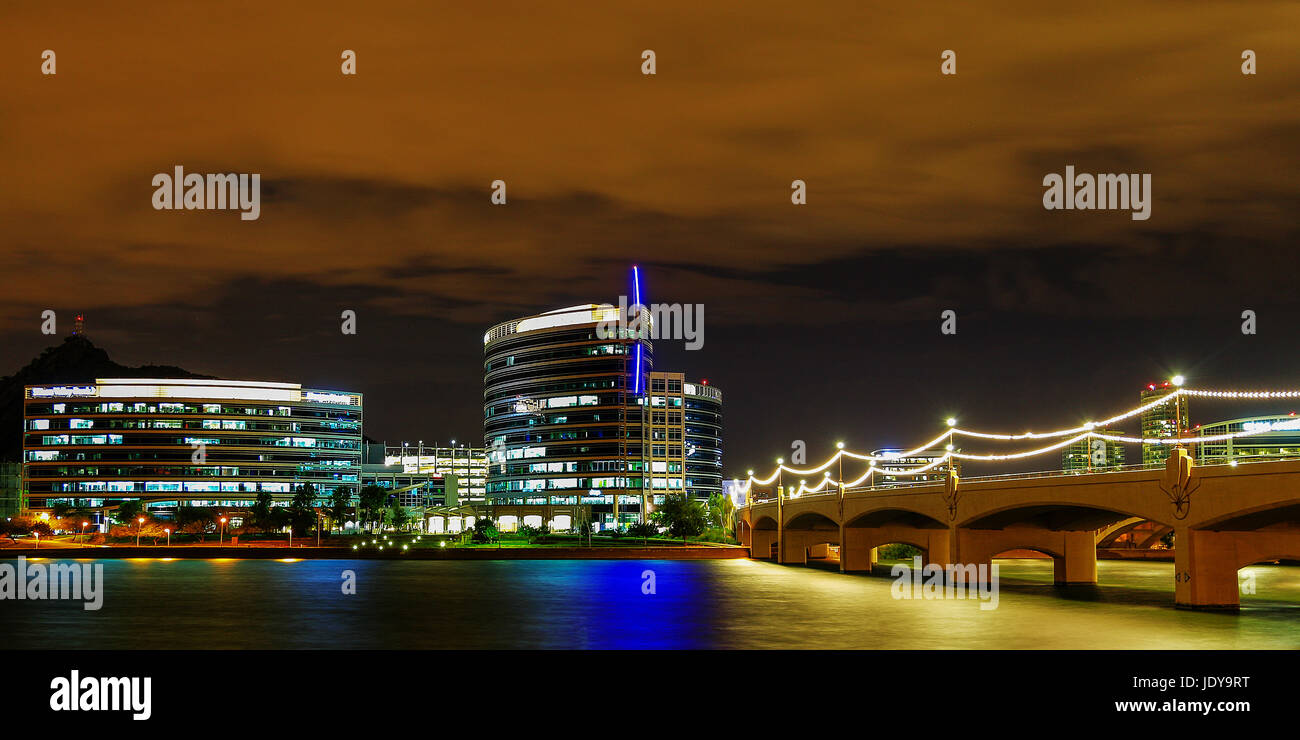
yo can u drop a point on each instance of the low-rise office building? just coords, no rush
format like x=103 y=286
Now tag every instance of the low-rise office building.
x=177 y=442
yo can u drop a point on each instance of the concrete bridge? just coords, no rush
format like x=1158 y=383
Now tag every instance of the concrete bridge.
x=1223 y=518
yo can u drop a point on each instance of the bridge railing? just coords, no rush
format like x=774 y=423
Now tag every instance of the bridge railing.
x=893 y=485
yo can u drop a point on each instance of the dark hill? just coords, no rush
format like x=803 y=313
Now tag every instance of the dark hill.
x=76 y=360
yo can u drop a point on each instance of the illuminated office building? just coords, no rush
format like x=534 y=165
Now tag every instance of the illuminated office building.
x=175 y=442
x=468 y=464
x=1278 y=437
x=574 y=412
x=703 y=439
x=562 y=411
x=1090 y=454
x=1164 y=420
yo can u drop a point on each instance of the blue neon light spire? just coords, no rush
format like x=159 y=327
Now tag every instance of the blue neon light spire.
x=636 y=294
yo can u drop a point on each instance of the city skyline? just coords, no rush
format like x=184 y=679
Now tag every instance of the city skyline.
x=823 y=320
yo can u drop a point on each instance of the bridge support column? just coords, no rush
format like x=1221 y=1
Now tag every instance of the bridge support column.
x=1078 y=565
x=857 y=554
x=761 y=541
x=793 y=550
x=941 y=547
x=1205 y=569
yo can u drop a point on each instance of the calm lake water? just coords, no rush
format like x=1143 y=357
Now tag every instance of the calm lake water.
x=233 y=604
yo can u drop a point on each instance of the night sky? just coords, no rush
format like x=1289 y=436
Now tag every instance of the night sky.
x=821 y=321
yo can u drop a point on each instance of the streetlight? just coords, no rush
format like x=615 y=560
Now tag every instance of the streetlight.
x=222 y=535
x=83 y=531
x=38 y=539
x=169 y=536
x=139 y=526
x=1178 y=408
x=839 y=459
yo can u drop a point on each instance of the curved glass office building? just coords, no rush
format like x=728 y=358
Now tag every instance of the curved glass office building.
x=703 y=439
x=562 y=404
x=170 y=442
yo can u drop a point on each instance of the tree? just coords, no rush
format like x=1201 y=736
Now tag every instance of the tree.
x=301 y=514
x=399 y=516
x=373 y=501
x=722 y=512
x=261 y=512
x=644 y=530
x=682 y=515
x=127 y=511
x=485 y=530
x=196 y=520
x=340 y=501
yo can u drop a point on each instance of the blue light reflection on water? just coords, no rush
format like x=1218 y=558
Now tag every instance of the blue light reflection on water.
x=593 y=604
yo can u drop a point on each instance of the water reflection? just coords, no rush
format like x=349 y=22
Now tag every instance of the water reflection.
x=226 y=604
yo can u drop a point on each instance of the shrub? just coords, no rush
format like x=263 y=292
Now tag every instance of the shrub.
x=898 y=551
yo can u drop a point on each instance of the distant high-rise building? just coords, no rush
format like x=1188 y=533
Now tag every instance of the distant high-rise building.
x=1169 y=419
x=575 y=414
x=1091 y=454
x=703 y=439
x=562 y=412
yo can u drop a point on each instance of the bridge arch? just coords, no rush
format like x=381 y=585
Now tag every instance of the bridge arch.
x=1050 y=515
x=811 y=520
x=1286 y=512
x=895 y=517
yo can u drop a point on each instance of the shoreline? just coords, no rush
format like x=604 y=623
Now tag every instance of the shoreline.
x=250 y=552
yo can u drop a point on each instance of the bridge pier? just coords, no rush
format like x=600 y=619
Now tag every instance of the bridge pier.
x=1078 y=565
x=856 y=551
x=761 y=541
x=1205 y=569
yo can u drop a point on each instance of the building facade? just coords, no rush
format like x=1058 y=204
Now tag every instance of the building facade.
x=1165 y=420
x=1278 y=437
x=11 y=489
x=468 y=464
x=703 y=439
x=1092 y=455
x=562 y=411
x=176 y=442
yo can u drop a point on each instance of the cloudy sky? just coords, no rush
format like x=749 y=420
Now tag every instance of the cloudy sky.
x=821 y=321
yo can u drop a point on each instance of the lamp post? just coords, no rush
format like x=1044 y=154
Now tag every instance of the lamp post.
x=169 y=536
x=38 y=539
x=139 y=524
x=839 y=459
x=83 y=531
x=1178 y=409
x=221 y=536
